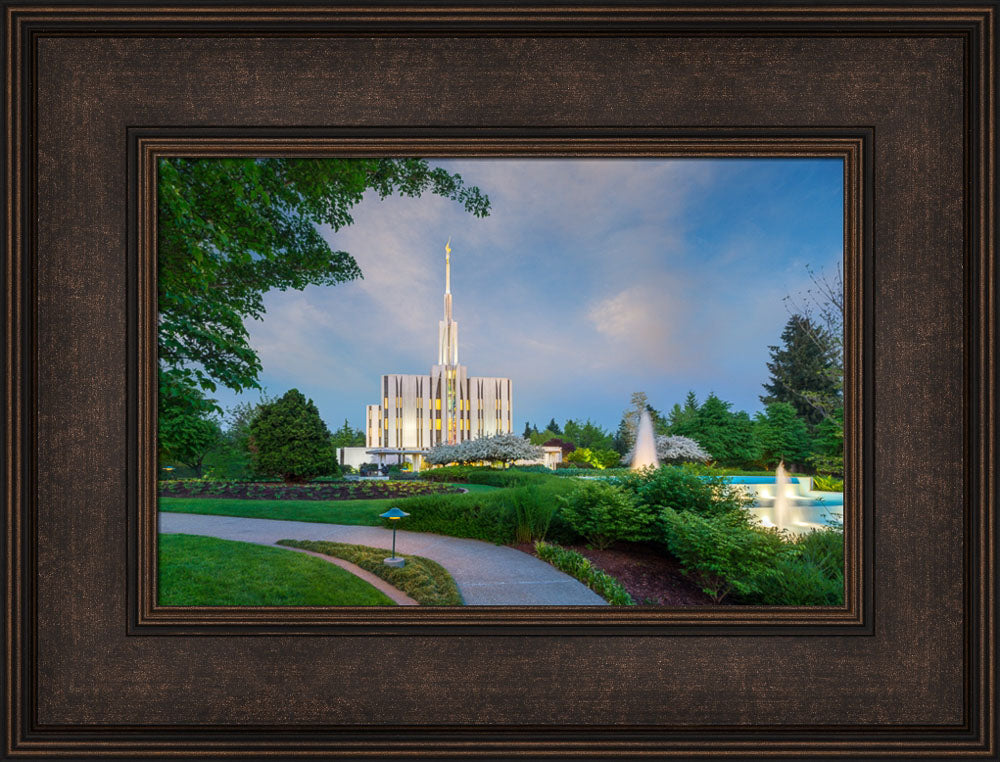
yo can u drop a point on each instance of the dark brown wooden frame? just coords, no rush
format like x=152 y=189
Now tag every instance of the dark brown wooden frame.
x=79 y=578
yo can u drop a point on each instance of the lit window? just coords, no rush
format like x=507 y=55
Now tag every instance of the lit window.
x=437 y=404
x=437 y=424
x=385 y=424
x=385 y=402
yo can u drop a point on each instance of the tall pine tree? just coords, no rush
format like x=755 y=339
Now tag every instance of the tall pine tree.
x=800 y=368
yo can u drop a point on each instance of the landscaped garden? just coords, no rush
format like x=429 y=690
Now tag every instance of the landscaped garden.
x=671 y=536
x=681 y=534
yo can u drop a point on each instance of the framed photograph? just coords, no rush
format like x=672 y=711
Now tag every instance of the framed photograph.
x=741 y=259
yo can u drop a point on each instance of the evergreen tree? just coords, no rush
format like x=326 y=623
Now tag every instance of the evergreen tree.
x=289 y=439
x=801 y=370
x=782 y=435
x=571 y=432
x=554 y=427
x=727 y=436
x=346 y=436
x=828 y=446
x=679 y=416
x=622 y=441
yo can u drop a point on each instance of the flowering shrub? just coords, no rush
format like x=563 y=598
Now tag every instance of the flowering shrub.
x=675 y=449
x=500 y=448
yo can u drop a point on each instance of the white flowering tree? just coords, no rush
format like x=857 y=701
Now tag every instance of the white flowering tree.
x=501 y=448
x=442 y=455
x=675 y=449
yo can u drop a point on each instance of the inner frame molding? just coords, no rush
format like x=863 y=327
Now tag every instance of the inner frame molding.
x=146 y=146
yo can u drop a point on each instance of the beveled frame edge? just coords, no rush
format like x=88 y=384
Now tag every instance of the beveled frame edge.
x=976 y=738
x=853 y=147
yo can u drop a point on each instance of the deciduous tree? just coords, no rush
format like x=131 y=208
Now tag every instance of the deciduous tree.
x=230 y=230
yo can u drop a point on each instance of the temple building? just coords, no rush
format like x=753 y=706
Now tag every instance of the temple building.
x=446 y=406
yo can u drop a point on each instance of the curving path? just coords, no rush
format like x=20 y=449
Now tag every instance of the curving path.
x=486 y=574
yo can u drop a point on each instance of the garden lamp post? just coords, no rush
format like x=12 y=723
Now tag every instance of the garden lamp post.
x=394 y=515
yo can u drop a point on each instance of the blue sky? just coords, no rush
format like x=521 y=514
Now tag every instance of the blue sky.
x=589 y=280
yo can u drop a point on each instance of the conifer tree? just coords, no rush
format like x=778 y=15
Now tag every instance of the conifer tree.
x=801 y=371
x=290 y=440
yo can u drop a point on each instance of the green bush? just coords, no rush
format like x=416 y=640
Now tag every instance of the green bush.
x=684 y=490
x=603 y=513
x=824 y=548
x=828 y=483
x=812 y=574
x=570 y=469
x=797 y=582
x=491 y=477
x=426 y=581
x=493 y=516
x=721 y=552
x=602 y=583
x=533 y=513
x=287 y=437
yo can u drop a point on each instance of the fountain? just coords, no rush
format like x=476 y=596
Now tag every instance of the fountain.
x=781 y=496
x=645 y=444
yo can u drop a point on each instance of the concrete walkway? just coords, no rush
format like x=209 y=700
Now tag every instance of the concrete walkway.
x=486 y=574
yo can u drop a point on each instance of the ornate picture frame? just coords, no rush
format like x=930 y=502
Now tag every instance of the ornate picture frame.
x=905 y=94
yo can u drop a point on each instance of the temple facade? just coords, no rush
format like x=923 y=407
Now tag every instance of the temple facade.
x=445 y=406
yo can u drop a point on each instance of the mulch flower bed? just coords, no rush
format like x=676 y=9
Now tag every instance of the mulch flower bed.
x=651 y=577
x=359 y=490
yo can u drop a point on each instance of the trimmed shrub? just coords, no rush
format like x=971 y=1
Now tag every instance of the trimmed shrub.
x=603 y=513
x=491 y=477
x=579 y=567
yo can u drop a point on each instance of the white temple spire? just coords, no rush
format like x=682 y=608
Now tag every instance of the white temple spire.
x=448 y=331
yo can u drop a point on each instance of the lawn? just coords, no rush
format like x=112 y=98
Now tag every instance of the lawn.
x=205 y=571
x=354 y=512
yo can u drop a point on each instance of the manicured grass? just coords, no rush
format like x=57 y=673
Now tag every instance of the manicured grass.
x=356 y=512
x=478 y=487
x=426 y=581
x=206 y=571
x=353 y=512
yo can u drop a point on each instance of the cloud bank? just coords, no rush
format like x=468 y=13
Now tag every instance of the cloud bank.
x=588 y=281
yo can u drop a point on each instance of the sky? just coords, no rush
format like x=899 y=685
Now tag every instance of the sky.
x=589 y=280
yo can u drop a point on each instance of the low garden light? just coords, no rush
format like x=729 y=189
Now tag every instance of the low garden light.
x=394 y=515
